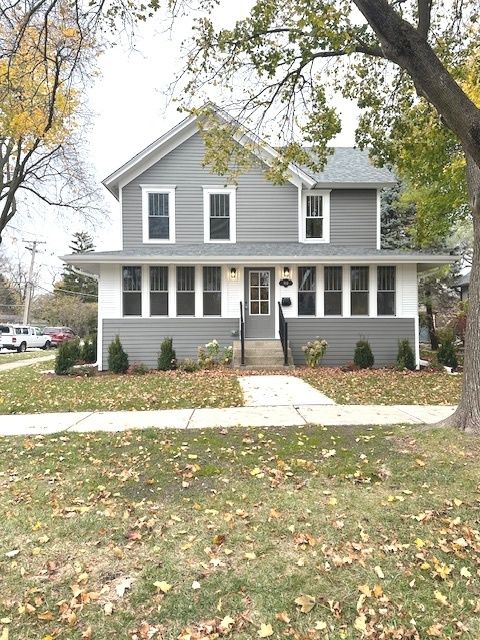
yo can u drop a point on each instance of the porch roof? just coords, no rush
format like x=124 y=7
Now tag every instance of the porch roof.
x=254 y=253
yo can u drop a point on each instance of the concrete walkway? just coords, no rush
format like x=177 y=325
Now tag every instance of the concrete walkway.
x=260 y=391
x=266 y=416
x=7 y=366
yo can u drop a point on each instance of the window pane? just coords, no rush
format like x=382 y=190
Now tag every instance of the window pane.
x=219 y=205
x=219 y=229
x=158 y=204
x=359 y=278
x=333 y=303
x=158 y=228
x=386 y=303
x=158 y=278
x=314 y=206
x=359 y=302
x=264 y=308
x=132 y=278
x=314 y=228
x=132 y=304
x=185 y=304
x=306 y=303
x=158 y=303
x=212 y=304
x=212 y=278
x=185 y=278
x=306 y=291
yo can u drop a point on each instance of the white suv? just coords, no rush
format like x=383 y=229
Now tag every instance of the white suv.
x=21 y=337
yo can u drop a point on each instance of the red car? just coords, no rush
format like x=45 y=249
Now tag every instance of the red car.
x=59 y=334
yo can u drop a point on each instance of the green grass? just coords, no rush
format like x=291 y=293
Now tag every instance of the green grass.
x=379 y=527
x=14 y=356
x=27 y=390
x=385 y=386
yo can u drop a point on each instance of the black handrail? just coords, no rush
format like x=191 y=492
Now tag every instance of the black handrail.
x=242 y=335
x=283 y=326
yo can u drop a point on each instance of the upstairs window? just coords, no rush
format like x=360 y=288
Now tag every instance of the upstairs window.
x=158 y=214
x=386 y=291
x=219 y=214
x=359 y=291
x=132 y=291
x=185 y=291
x=315 y=218
x=306 y=291
x=333 y=291
x=159 y=291
x=212 y=291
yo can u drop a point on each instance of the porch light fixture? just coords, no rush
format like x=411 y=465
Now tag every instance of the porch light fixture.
x=286 y=281
x=233 y=274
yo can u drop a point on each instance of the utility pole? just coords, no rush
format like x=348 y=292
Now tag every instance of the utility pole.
x=29 y=290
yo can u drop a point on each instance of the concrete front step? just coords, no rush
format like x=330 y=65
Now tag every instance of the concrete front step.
x=261 y=354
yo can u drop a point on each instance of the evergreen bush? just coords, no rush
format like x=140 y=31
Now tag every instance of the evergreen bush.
x=117 y=358
x=89 y=349
x=363 y=356
x=446 y=355
x=68 y=354
x=405 y=356
x=167 y=360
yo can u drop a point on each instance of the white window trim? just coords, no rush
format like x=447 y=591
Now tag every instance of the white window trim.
x=155 y=188
x=325 y=193
x=232 y=191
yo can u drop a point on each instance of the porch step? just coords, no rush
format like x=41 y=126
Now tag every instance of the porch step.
x=261 y=354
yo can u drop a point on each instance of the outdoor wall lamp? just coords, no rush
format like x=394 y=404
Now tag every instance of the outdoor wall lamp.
x=233 y=274
x=286 y=281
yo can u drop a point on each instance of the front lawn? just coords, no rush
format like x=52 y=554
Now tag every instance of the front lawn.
x=27 y=390
x=385 y=386
x=14 y=356
x=302 y=533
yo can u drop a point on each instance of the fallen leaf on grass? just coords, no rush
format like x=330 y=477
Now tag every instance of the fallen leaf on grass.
x=122 y=586
x=265 y=631
x=12 y=554
x=226 y=623
x=379 y=572
x=108 y=609
x=283 y=617
x=305 y=602
x=162 y=586
x=440 y=597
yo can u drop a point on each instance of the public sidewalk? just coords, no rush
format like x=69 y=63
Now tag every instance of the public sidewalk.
x=8 y=366
x=288 y=415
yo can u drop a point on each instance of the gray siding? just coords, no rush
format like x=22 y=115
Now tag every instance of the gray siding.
x=141 y=337
x=353 y=217
x=342 y=334
x=261 y=206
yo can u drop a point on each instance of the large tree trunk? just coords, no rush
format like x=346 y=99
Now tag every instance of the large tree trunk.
x=430 y=318
x=467 y=415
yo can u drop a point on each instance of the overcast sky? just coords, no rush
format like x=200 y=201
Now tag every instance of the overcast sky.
x=130 y=111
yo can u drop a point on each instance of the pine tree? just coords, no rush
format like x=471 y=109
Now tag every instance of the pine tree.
x=74 y=281
x=397 y=219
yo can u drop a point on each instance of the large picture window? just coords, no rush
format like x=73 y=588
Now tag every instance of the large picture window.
x=219 y=214
x=306 y=291
x=159 y=291
x=333 y=291
x=158 y=214
x=212 y=291
x=132 y=291
x=359 y=291
x=386 y=291
x=185 y=291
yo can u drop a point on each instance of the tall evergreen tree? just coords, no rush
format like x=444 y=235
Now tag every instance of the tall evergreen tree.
x=73 y=282
x=397 y=219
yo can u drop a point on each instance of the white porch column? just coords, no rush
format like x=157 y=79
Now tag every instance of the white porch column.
x=346 y=291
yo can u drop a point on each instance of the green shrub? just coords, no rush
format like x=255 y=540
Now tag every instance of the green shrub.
x=138 y=369
x=363 y=356
x=188 y=365
x=227 y=355
x=89 y=349
x=314 y=351
x=405 y=356
x=68 y=354
x=117 y=358
x=167 y=359
x=446 y=355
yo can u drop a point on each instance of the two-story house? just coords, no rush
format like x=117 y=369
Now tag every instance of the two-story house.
x=199 y=252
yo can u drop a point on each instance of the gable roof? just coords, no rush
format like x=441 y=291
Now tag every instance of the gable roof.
x=347 y=166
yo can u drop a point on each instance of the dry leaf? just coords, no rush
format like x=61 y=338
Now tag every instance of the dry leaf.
x=122 y=586
x=265 y=631
x=108 y=608
x=162 y=586
x=379 y=572
x=305 y=602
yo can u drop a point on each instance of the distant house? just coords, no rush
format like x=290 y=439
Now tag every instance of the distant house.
x=462 y=285
x=200 y=254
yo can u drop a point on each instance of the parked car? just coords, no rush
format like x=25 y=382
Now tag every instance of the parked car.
x=23 y=337
x=59 y=334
